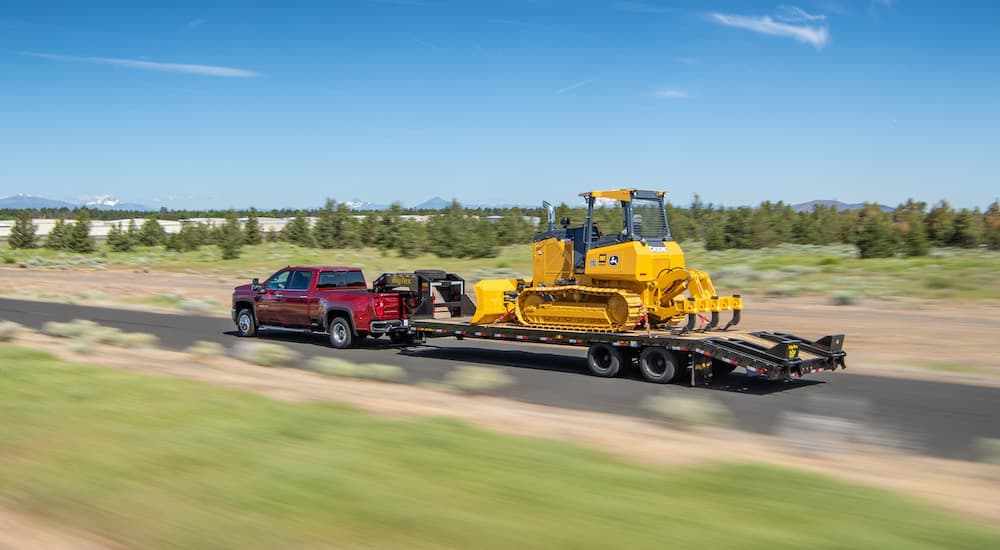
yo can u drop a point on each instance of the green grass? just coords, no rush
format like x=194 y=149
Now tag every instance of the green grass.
x=153 y=462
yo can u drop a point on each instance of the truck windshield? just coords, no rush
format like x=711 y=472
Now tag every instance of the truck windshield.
x=649 y=220
x=341 y=279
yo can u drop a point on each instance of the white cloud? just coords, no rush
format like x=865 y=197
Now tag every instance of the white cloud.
x=204 y=70
x=194 y=24
x=573 y=86
x=764 y=24
x=671 y=93
x=794 y=14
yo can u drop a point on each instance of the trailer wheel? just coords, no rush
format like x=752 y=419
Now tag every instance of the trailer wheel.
x=658 y=365
x=604 y=360
x=340 y=333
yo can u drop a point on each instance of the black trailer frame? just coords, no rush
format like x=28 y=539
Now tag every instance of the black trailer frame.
x=773 y=355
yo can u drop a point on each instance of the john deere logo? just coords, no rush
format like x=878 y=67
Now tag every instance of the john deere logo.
x=793 y=351
x=613 y=260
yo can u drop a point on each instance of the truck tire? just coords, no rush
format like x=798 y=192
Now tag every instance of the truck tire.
x=604 y=360
x=246 y=325
x=340 y=333
x=659 y=365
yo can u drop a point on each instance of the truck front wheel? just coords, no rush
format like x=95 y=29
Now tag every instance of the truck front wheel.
x=246 y=325
x=341 y=335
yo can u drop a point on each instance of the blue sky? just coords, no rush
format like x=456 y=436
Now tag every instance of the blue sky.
x=231 y=104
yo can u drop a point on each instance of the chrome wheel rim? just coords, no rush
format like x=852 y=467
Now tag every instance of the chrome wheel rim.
x=339 y=333
x=244 y=323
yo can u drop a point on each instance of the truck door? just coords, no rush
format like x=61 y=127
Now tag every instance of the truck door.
x=269 y=305
x=295 y=300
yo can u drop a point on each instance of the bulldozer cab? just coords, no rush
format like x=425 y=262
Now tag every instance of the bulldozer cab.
x=643 y=218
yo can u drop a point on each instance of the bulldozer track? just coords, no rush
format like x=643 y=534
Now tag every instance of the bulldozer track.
x=579 y=308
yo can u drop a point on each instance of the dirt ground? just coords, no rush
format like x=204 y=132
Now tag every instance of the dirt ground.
x=916 y=339
x=966 y=488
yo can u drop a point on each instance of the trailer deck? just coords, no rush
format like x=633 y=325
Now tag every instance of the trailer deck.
x=774 y=355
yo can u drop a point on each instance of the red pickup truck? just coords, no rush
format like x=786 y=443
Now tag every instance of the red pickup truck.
x=334 y=300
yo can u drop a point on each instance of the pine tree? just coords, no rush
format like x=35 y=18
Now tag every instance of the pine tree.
x=969 y=229
x=368 y=230
x=388 y=224
x=78 y=238
x=151 y=233
x=411 y=238
x=715 y=237
x=992 y=225
x=875 y=238
x=914 y=238
x=513 y=228
x=118 y=240
x=298 y=232
x=251 y=231
x=23 y=234
x=133 y=232
x=230 y=238
x=326 y=231
x=941 y=224
x=58 y=238
x=273 y=236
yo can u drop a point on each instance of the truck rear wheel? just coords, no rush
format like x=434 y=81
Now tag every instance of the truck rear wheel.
x=658 y=365
x=340 y=332
x=246 y=325
x=604 y=360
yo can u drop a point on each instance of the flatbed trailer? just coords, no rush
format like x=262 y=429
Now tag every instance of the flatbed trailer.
x=682 y=354
x=439 y=307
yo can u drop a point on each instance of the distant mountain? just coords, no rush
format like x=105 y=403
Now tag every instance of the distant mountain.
x=22 y=200
x=437 y=203
x=26 y=201
x=841 y=206
x=111 y=203
x=363 y=205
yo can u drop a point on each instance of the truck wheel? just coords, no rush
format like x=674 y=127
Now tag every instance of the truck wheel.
x=246 y=325
x=340 y=333
x=658 y=365
x=604 y=360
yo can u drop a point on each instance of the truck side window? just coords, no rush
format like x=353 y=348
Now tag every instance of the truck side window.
x=300 y=281
x=341 y=279
x=279 y=281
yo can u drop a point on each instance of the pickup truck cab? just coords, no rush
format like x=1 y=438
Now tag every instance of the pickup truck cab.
x=331 y=299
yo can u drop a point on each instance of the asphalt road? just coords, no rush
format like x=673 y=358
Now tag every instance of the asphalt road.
x=939 y=419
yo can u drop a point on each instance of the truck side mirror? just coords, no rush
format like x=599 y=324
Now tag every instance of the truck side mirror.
x=255 y=284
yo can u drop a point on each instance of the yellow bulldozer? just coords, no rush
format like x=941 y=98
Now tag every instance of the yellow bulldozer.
x=586 y=279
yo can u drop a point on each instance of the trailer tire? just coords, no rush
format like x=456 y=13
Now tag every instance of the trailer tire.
x=604 y=360
x=246 y=325
x=659 y=365
x=341 y=335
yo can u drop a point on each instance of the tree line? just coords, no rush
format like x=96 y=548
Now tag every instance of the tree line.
x=910 y=229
